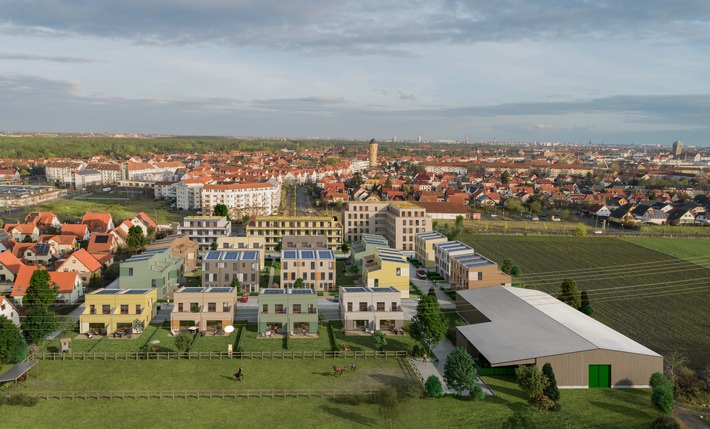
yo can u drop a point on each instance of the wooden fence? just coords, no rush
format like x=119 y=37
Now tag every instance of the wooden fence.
x=191 y=394
x=324 y=354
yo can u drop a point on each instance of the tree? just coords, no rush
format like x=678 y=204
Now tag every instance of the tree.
x=458 y=224
x=505 y=177
x=136 y=238
x=569 y=294
x=380 y=340
x=580 y=230
x=10 y=340
x=221 y=210
x=507 y=266
x=460 y=371
x=38 y=323
x=433 y=386
x=515 y=270
x=299 y=284
x=40 y=293
x=27 y=239
x=213 y=246
x=278 y=247
x=183 y=341
x=429 y=324
x=531 y=381
x=662 y=398
x=236 y=284
x=551 y=390
x=245 y=220
x=345 y=247
x=585 y=306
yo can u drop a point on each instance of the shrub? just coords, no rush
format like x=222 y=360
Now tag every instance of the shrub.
x=519 y=420
x=410 y=389
x=22 y=399
x=380 y=340
x=433 y=386
x=662 y=398
x=477 y=393
x=551 y=390
x=331 y=336
x=666 y=422
x=417 y=351
x=542 y=402
x=658 y=379
x=183 y=341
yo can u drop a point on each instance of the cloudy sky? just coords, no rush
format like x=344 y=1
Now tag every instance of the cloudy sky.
x=622 y=71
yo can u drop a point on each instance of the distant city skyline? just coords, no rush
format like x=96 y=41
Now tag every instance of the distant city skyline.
x=625 y=72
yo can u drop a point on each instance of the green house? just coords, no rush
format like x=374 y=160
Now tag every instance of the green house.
x=154 y=268
x=288 y=311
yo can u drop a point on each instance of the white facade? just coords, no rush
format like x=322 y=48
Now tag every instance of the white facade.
x=189 y=195
x=373 y=309
x=9 y=311
x=256 y=199
x=443 y=253
x=205 y=230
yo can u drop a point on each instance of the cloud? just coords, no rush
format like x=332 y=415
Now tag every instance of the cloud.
x=15 y=56
x=399 y=94
x=357 y=27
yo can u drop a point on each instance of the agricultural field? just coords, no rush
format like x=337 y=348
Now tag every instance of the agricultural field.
x=695 y=251
x=654 y=298
x=584 y=408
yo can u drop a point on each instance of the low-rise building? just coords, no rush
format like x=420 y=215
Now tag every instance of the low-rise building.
x=109 y=310
x=424 y=247
x=315 y=267
x=243 y=243
x=221 y=267
x=155 y=269
x=205 y=230
x=8 y=310
x=471 y=271
x=443 y=253
x=210 y=309
x=366 y=245
x=285 y=311
x=364 y=308
x=386 y=268
x=274 y=228
x=182 y=247
x=83 y=263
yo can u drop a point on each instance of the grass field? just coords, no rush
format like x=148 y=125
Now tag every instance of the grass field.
x=695 y=251
x=592 y=408
x=652 y=297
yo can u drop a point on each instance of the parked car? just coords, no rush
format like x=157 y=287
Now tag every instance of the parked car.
x=244 y=298
x=555 y=219
x=421 y=274
x=536 y=218
x=598 y=232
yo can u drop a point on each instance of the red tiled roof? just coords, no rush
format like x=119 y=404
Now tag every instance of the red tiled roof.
x=22 y=280
x=86 y=260
x=79 y=230
x=64 y=281
x=10 y=262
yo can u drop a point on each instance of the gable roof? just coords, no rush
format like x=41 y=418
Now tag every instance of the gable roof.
x=11 y=262
x=22 y=280
x=97 y=221
x=87 y=260
x=65 y=281
x=77 y=229
x=100 y=242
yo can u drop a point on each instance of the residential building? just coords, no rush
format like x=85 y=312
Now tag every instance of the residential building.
x=511 y=326
x=81 y=262
x=445 y=210
x=98 y=222
x=188 y=193
x=78 y=230
x=44 y=220
x=9 y=266
x=308 y=242
x=22 y=231
x=103 y=243
x=68 y=285
x=397 y=221
x=274 y=228
x=424 y=250
x=251 y=198
x=221 y=267
x=210 y=309
x=315 y=267
x=155 y=269
x=166 y=189
x=373 y=309
x=366 y=245
x=110 y=310
x=83 y=179
x=61 y=244
x=244 y=243
x=205 y=230
x=60 y=171
x=14 y=196
x=182 y=247
x=8 y=310
x=443 y=253
x=471 y=270
x=387 y=267
x=285 y=311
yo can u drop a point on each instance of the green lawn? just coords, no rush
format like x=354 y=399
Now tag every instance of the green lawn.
x=365 y=342
x=654 y=298
x=250 y=342
x=695 y=251
x=347 y=278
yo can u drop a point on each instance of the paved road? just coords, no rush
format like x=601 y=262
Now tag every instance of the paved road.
x=304 y=203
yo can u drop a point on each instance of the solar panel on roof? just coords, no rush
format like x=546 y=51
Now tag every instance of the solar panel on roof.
x=325 y=254
x=384 y=289
x=231 y=256
x=136 y=291
x=108 y=292
x=308 y=254
x=354 y=289
x=302 y=291
x=220 y=289
x=290 y=254
x=101 y=239
x=42 y=247
x=4 y=236
x=249 y=255
x=211 y=256
x=273 y=291
x=192 y=289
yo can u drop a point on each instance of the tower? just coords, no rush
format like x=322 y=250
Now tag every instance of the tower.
x=677 y=148
x=373 y=153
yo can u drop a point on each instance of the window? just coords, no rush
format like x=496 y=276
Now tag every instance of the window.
x=296 y=308
x=399 y=271
x=394 y=307
x=92 y=309
x=376 y=283
x=180 y=306
x=130 y=271
x=350 y=306
x=105 y=309
x=211 y=307
x=154 y=283
x=363 y=306
x=265 y=309
x=225 y=307
x=311 y=309
x=124 y=309
x=380 y=306
x=279 y=309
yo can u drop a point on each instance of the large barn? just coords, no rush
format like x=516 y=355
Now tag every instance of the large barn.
x=514 y=326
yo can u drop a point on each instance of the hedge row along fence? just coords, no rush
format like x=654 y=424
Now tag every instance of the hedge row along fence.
x=324 y=354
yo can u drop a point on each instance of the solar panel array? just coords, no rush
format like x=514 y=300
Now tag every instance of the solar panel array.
x=101 y=239
x=4 y=236
x=302 y=291
x=231 y=256
x=42 y=247
x=273 y=291
x=308 y=254
x=212 y=256
x=136 y=291
x=220 y=289
x=107 y=292
x=326 y=254
x=289 y=254
x=353 y=289
x=192 y=289
x=384 y=289
x=250 y=255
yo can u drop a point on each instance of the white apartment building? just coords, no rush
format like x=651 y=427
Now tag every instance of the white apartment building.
x=443 y=253
x=254 y=199
x=205 y=230
x=376 y=309
x=59 y=170
x=188 y=193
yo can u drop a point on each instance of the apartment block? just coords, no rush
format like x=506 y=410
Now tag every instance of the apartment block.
x=221 y=267
x=386 y=268
x=188 y=193
x=373 y=309
x=471 y=271
x=243 y=243
x=443 y=253
x=205 y=230
x=397 y=221
x=182 y=247
x=210 y=309
x=274 y=228
x=156 y=269
x=366 y=245
x=306 y=242
x=109 y=310
x=253 y=199
x=285 y=311
x=424 y=247
x=315 y=267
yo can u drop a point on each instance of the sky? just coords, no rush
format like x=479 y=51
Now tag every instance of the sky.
x=614 y=72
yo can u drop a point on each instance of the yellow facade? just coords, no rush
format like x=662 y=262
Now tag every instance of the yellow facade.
x=387 y=267
x=274 y=228
x=108 y=310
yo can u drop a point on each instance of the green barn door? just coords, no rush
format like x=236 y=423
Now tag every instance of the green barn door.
x=599 y=375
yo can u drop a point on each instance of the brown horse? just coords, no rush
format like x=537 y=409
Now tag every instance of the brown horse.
x=337 y=370
x=239 y=375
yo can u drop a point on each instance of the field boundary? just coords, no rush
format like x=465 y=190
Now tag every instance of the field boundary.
x=324 y=354
x=191 y=394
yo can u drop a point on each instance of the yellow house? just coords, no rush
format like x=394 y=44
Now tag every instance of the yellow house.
x=424 y=247
x=111 y=310
x=387 y=267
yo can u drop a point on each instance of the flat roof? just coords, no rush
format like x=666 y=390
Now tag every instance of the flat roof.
x=362 y=289
x=430 y=235
x=526 y=324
